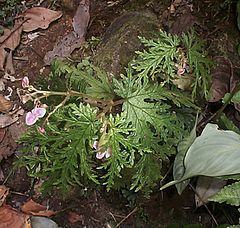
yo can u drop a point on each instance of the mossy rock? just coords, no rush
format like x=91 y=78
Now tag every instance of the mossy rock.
x=120 y=41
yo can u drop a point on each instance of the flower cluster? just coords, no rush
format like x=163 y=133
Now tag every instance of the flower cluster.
x=100 y=155
x=37 y=112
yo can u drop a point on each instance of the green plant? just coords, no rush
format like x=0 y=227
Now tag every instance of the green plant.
x=109 y=131
x=178 y=60
x=132 y=118
x=9 y=8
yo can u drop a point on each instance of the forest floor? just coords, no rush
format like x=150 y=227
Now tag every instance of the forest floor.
x=214 y=21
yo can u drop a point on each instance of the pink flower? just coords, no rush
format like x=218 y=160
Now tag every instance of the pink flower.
x=25 y=82
x=106 y=154
x=95 y=145
x=181 y=71
x=34 y=115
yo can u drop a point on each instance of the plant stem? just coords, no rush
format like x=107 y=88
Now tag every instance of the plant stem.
x=217 y=114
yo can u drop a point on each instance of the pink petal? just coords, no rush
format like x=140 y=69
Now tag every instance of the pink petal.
x=31 y=118
x=108 y=153
x=181 y=71
x=25 y=82
x=100 y=155
x=95 y=145
x=39 y=112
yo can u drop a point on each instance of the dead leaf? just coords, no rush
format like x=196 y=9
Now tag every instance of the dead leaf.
x=2 y=177
x=73 y=40
x=5 y=105
x=11 y=218
x=9 y=63
x=221 y=79
x=183 y=24
x=8 y=146
x=17 y=129
x=39 y=17
x=2 y=84
x=8 y=42
x=73 y=217
x=33 y=208
x=2 y=134
x=63 y=48
x=3 y=194
x=7 y=119
x=207 y=187
x=183 y=82
x=81 y=18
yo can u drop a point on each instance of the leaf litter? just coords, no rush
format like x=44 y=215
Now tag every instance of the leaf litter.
x=27 y=217
x=31 y=19
x=75 y=39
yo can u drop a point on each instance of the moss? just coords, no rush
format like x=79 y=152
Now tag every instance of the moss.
x=121 y=40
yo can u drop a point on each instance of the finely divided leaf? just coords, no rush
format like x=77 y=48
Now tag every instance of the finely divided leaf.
x=144 y=110
x=230 y=194
x=160 y=57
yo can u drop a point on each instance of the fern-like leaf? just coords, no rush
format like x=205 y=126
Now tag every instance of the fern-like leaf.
x=230 y=194
x=63 y=152
x=199 y=63
x=145 y=110
x=160 y=56
x=119 y=140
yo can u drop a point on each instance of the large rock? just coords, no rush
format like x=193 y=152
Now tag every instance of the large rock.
x=121 y=40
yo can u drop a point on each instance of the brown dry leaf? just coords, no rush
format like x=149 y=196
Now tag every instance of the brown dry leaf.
x=3 y=194
x=8 y=146
x=183 y=24
x=81 y=18
x=17 y=129
x=5 y=105
x=33 y=208
x=2 y=134
x=73 y=217
x=64 y=47
x=11 y=218
x=8 y=42
x=39 y=17
x=207 y=187
x=6 y=120
x=221 y=78
x=183 y=82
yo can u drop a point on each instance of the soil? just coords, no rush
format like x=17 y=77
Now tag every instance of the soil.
x=215 y=22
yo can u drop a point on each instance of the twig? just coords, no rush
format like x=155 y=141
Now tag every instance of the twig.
x=55 y=109
x=204 y=204
x=133 y=211
x=6 y=179
x=19 y=193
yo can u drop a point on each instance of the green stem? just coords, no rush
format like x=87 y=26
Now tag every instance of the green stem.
x=72 y=93
x=217 y=114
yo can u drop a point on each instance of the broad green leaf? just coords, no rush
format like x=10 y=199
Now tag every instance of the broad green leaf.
x=215 y=153
x=178 y=167
x=230 y=194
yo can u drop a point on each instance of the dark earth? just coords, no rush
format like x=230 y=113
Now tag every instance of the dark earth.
x=215 y=22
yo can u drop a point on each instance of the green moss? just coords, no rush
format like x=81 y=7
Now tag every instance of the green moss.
x=121 y=40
